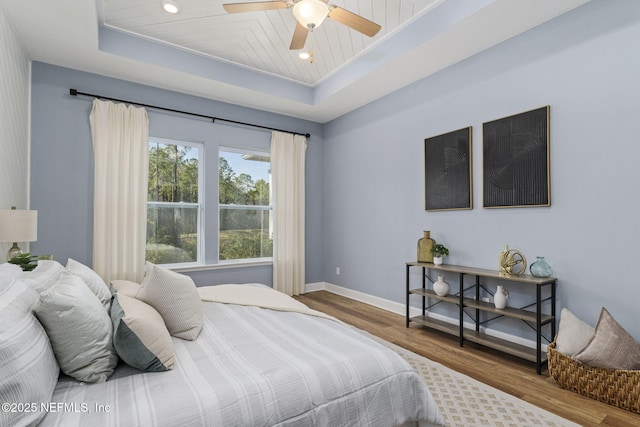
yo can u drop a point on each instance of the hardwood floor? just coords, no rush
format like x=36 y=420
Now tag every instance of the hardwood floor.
x=509 y=374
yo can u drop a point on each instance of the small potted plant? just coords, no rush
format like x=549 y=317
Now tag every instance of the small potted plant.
x=25 y=261
x=439 y=251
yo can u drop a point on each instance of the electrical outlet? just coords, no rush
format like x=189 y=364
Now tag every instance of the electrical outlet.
x=337 y=271
x=486 y=299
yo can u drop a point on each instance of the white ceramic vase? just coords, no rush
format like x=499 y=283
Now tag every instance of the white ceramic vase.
x=441 y=287
x=500 y=297
x=438 y=260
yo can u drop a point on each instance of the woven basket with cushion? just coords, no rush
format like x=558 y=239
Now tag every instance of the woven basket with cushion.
x=616 y=387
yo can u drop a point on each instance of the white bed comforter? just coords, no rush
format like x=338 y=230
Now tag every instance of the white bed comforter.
x=258 y=367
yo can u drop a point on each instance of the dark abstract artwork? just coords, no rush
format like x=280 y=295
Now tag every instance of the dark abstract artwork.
x=516 y=160
x=447 y=160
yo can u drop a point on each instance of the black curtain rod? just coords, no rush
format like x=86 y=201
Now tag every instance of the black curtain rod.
x=74 y=92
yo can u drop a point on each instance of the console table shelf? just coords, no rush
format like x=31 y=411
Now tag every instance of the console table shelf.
x=429 y=293
x=536 y=319
x=436 y=324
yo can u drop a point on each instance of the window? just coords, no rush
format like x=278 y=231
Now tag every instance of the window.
x=177 y=209
x=245 y=227
x=173 y=203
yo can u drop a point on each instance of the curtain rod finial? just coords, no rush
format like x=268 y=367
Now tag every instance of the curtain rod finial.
x=73 y=92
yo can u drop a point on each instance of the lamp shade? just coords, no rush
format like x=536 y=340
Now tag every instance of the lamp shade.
x=18 y=226
x=310 y=13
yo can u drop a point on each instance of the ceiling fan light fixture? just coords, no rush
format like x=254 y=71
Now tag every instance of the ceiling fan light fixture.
x=310 y=13
x=170 y=6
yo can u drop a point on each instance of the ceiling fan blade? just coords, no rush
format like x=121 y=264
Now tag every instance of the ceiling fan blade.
x=354 y=21
x=254 y=6
x=299 y=37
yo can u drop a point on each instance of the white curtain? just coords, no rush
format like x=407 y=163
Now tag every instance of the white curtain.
x=288 y=178
x=121 y=160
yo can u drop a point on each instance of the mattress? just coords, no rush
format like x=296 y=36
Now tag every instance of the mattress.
x=252 y=366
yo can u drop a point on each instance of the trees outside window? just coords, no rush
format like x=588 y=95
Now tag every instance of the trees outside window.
x=244 y=205
x=176 y=207
x=173 y=205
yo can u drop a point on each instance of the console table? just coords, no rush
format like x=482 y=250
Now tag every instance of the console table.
x=534 y=318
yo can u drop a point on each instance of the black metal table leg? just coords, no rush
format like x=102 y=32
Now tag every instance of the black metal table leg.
x=539 y=329
x=408 y=294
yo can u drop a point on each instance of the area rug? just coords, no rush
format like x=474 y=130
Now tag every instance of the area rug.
x=466 y=402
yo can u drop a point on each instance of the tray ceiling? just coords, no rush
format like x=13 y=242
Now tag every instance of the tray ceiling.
x=244 y=58
x=260 y=40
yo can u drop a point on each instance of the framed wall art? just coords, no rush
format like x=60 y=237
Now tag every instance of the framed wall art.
x=447 y=171
x=515 y=158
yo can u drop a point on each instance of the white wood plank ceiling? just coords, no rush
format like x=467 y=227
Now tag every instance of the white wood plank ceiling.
x=260 y=40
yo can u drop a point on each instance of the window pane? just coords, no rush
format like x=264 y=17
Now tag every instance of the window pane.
x=173 y=203
x=245 y=205
x=172 y=233
x=244 y=179
x=173 y=173
x=244 y=233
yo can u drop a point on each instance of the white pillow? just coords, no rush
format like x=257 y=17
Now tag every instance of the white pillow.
x=28 y=368
x=573 y=333
x=79 y=329
x=44 y=275
x=10 y=271
x=93 y=281
x=176 y=298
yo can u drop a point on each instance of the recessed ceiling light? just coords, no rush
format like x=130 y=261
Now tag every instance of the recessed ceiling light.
x=306 y=55
x=170 y=6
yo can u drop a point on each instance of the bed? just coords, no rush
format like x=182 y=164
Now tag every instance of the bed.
x=255 y=366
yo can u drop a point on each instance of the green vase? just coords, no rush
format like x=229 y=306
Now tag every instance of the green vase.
x=424 y=247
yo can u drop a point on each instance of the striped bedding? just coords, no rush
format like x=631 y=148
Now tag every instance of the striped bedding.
x=258 y=367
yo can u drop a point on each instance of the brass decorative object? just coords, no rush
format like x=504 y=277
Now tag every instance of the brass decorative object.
x=512 y=262
x=424 y=247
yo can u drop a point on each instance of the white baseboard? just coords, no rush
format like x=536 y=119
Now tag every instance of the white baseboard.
x=399 y=308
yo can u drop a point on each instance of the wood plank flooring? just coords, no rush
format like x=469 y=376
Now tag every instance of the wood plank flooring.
x=509 y=374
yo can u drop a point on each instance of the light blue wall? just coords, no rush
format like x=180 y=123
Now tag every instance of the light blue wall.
x=586 y=66
x=62 y=160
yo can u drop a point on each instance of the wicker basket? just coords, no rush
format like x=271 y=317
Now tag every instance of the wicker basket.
x=620 y=388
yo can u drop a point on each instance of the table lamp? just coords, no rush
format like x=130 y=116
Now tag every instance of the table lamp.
x=18 y=226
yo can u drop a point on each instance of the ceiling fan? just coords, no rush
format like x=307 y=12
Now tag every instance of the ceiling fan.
x=309 y=14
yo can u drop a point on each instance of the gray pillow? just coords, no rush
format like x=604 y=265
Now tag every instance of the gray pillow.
x=176 y=298
x=611 y=347
x=140 y=336
x=79 y=329
x=28 y=368
x=573 y=333
x=93 y=281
